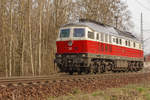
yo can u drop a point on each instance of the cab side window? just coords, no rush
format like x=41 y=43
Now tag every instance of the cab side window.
x=121 y=41
x=97 y=36
x=126 y=43
x=106 y=38
x=110 y=39
x=129 y=43
x=102 y=37
x=134 y=45
x=117 y=40
x=114 y=40
x=90 y=35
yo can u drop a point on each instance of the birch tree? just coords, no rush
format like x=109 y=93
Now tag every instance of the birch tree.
x=40 y=34
x=11 y=38
x=3 y=31
x=30 y=35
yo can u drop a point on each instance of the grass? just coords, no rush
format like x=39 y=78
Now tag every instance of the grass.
x=130 y=92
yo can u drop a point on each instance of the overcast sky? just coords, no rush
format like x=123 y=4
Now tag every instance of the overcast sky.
x=136 y=7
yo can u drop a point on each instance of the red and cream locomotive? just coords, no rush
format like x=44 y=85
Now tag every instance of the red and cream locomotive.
x=92 y=47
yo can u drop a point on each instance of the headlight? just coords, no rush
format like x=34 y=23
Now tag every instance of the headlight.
x=70 y=43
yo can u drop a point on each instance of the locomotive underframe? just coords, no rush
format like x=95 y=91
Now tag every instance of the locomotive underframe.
x=95 y=63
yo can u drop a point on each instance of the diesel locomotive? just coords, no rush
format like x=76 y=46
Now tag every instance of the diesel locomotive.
x=92 y=47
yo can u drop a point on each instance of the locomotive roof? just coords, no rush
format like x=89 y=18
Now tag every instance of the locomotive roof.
x=102 y=28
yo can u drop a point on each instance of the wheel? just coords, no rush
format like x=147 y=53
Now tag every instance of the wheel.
x=95 y=72
x=100 y=70
x=92 y=70
x=131 y=70
x=114 y=71
x=123 y=71
x=87 y=71
x=136 y=70
x=79 y=72
x=70 y=73
x=103 y=68
x=118 y=71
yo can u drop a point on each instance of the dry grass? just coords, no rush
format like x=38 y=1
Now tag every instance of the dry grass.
x=130 y=92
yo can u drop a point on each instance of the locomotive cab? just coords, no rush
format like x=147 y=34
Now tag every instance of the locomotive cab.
x=70 y=40
x=72 y=49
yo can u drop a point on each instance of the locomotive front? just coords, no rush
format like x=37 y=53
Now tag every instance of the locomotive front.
x=71 y=53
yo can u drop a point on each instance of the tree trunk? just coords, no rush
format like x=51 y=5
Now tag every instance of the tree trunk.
x=23 y=31
x=11 y=39
x=40 y=36
x=22 y=55
x=6 y=68
x=30 y=36
x=4 y=37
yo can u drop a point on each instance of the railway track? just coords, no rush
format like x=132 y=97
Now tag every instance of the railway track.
x=31 y=88
x=15 y=81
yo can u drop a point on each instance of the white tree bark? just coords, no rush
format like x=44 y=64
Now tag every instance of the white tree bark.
x=11 y=39
x=30 y=36
x=40 y=36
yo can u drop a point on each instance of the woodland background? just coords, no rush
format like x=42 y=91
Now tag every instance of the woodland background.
x=29 y=28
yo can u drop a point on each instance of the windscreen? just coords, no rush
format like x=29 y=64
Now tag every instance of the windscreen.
x=79 y=32
x=64 y=33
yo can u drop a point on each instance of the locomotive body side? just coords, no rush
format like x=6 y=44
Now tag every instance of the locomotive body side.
x=82 y=49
